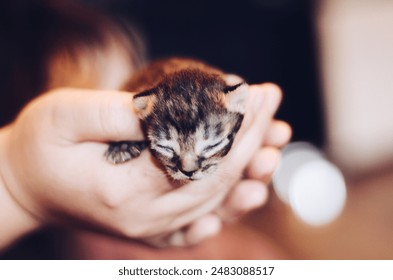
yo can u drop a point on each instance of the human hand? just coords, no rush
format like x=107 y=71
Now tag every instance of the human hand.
x=252 y=190
x=53 y=167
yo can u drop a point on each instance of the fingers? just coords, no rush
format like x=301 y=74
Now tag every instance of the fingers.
x=203 y=228
x=198 y=231
x=264 y=102
x=263 y=164
x=250 y=194
x=190 y=202
x=246 y=196
x=278 y=134
x=92 y=115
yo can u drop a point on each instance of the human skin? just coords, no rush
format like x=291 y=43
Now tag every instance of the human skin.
x=52 y=170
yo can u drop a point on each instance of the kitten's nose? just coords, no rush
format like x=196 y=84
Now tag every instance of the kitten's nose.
x=187 y=173
x=189 y=164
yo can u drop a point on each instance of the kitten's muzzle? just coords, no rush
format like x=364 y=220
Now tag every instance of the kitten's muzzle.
x=188 y=173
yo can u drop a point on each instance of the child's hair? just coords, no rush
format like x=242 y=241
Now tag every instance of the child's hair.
x=52 y=43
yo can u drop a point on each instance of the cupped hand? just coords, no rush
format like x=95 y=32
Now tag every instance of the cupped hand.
x=251 y=191
x=54 y=167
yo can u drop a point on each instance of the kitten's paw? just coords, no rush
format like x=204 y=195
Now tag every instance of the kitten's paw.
x=120 y=152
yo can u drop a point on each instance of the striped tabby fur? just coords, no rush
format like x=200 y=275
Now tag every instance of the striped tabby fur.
x=190 y=113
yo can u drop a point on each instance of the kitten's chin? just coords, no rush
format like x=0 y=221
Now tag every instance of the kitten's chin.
x=177 y=176
x=180 y=177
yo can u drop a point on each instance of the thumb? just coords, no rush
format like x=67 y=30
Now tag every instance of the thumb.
x=93 y=115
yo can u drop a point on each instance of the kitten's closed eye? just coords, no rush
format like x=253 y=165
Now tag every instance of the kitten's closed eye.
x=215 y=148
x=211 y=147
x=166 y=148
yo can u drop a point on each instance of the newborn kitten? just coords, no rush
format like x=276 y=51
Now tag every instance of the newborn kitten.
x=190 y=113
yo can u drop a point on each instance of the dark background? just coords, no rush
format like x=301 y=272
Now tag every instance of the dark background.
x=261 y=40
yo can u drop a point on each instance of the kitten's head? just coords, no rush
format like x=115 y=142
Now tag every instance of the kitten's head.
x=191 y=120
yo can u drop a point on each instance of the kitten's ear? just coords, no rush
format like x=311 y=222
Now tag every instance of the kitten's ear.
x=236 y=97
x=144 y=103
x=232 y=79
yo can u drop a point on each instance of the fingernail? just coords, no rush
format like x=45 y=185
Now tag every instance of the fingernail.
x=272 y=99
x=257 y=101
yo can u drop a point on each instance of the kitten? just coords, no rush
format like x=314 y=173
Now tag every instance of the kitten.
x=190 y=113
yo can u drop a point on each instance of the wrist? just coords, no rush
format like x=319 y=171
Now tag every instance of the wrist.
x=15 y=221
